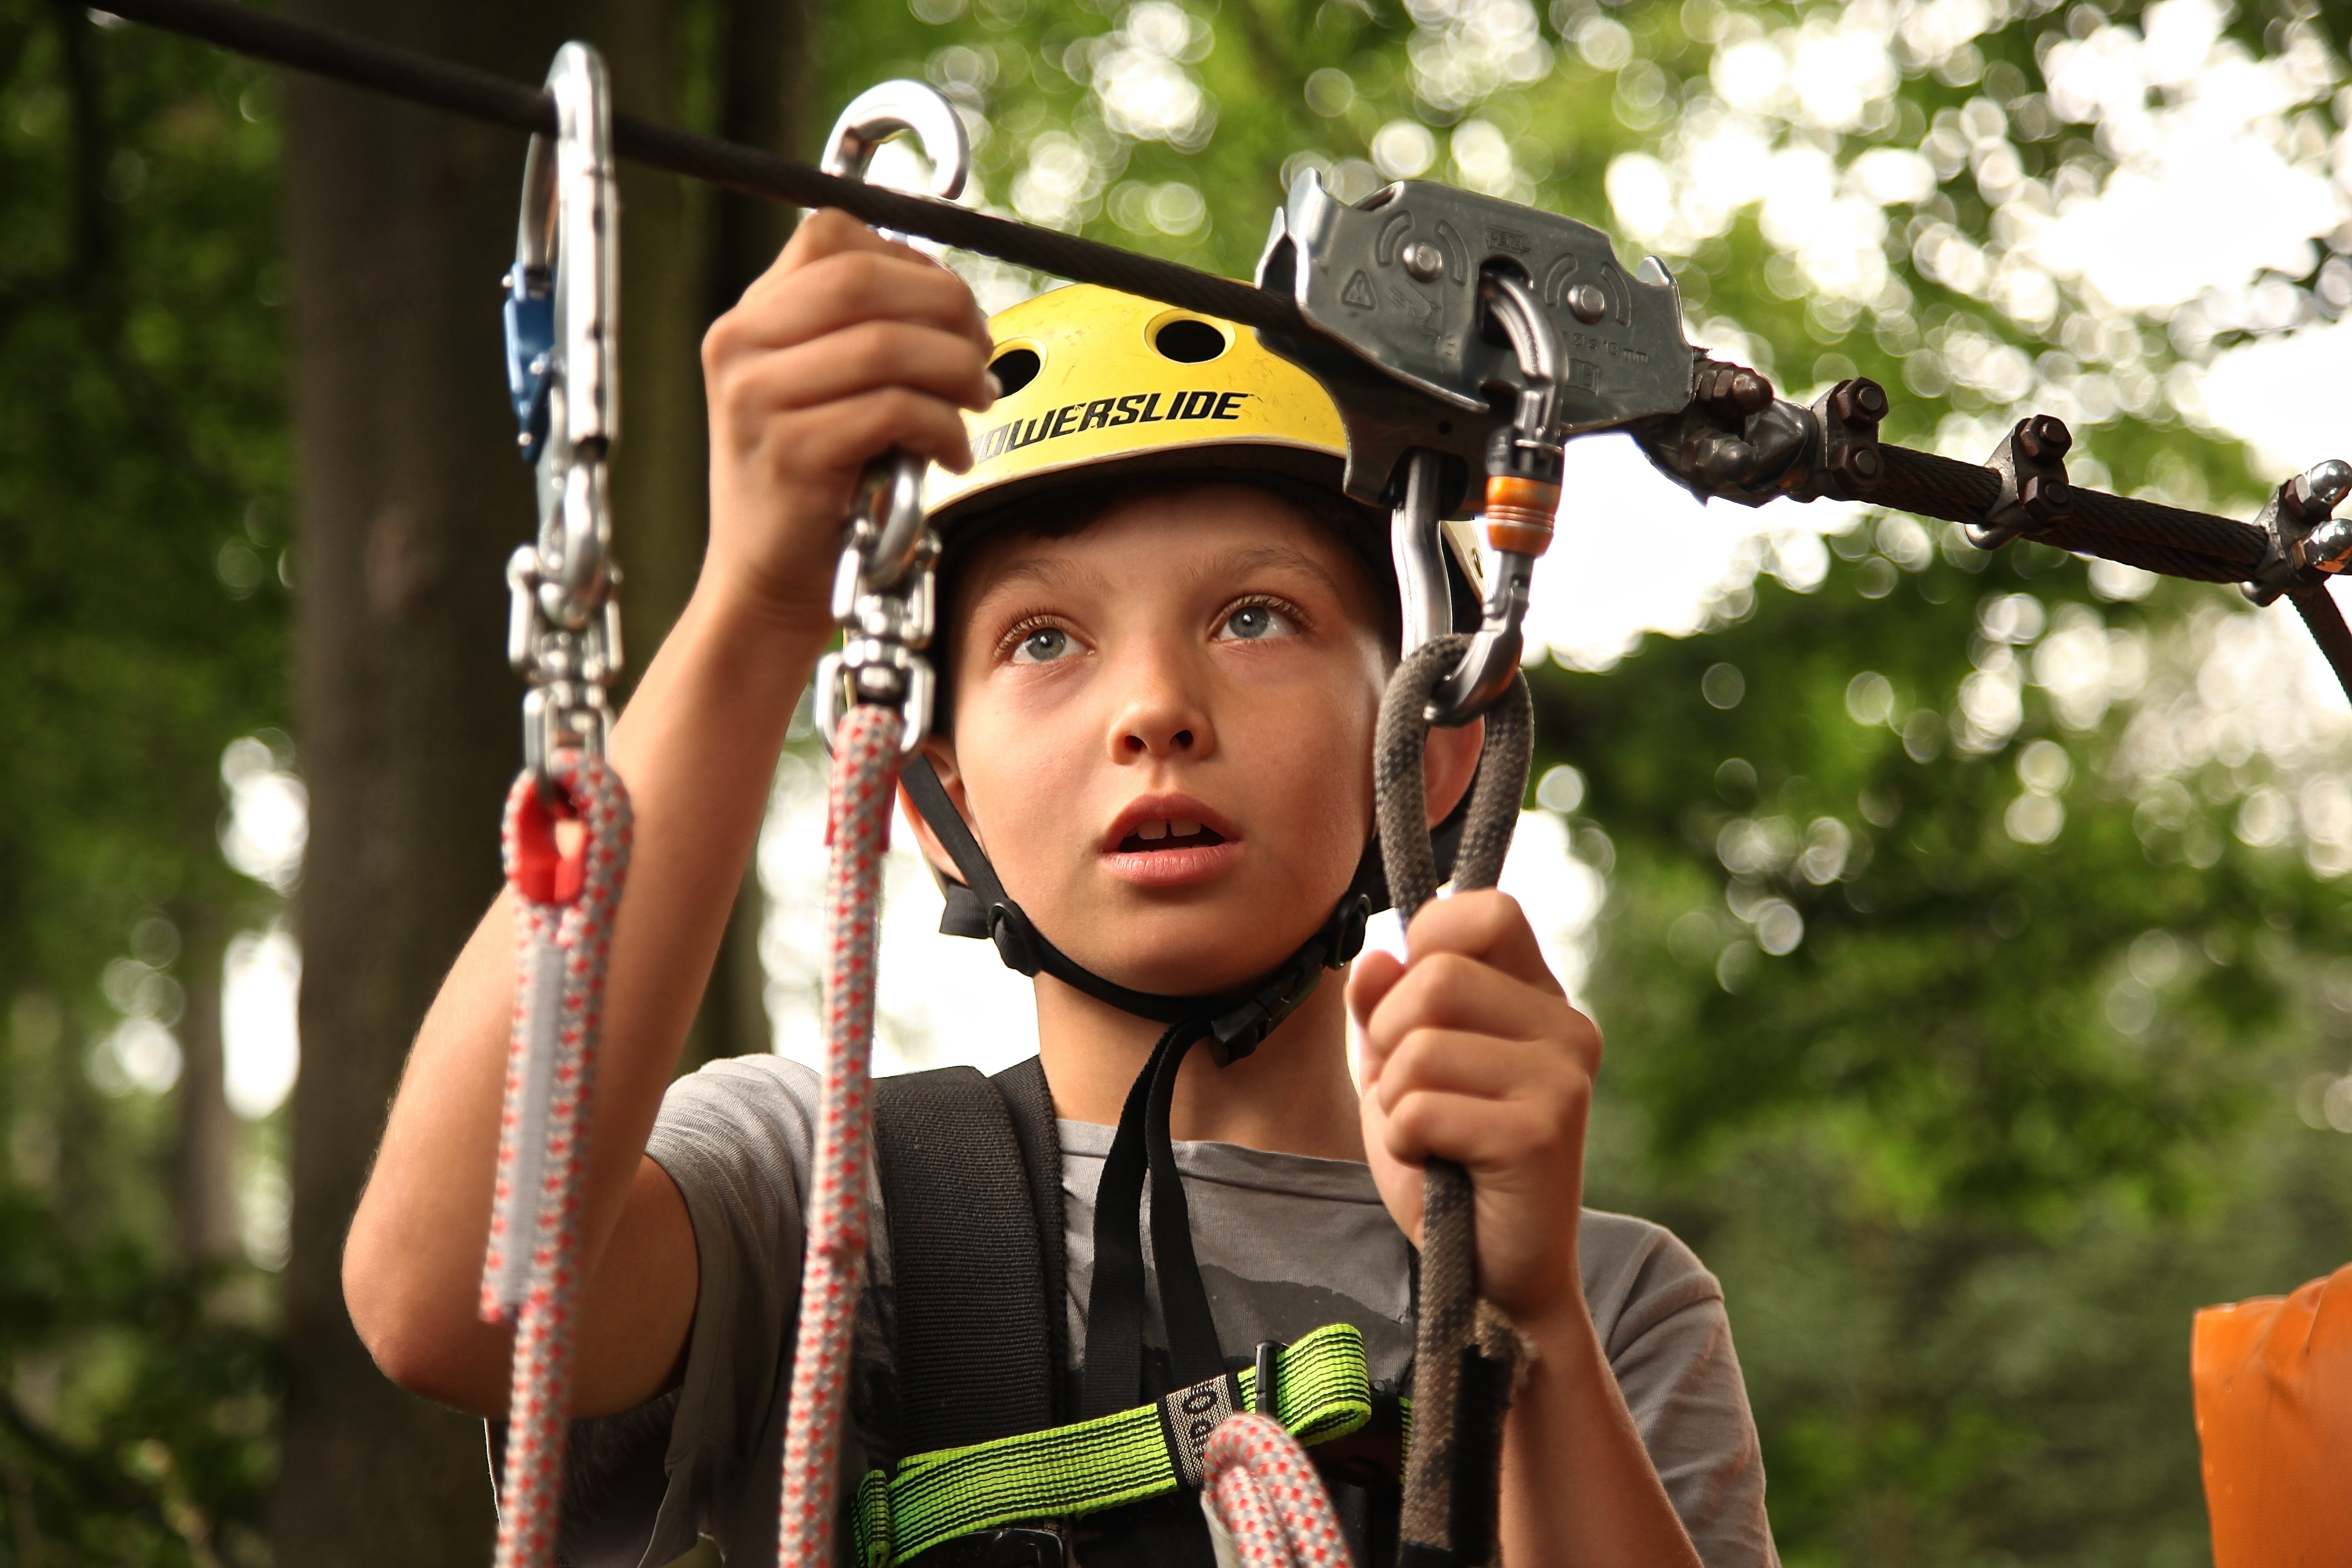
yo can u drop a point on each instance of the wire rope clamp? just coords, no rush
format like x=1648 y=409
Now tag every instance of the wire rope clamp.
x=2307 y=542
x=561 y=318
x=883 y=595
x=2030 y=463
x=1848 y=415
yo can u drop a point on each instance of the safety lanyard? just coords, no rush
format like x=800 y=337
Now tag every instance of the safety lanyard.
x=564 y=637
x=874 y=706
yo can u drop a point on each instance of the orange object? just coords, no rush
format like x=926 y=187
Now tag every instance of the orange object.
x=1519 y=513
x=2273 y=1380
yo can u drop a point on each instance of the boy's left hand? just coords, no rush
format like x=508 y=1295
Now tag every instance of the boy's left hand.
x=1471 y=1053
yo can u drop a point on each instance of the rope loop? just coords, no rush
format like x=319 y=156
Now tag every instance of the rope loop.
x=1258 y=1484
x=563 y=909
x=864 y=786
x=1451 y=1486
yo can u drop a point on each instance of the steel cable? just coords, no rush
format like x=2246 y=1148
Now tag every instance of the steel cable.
x=2326 y=618
x=486 y=96
x=1935 y=486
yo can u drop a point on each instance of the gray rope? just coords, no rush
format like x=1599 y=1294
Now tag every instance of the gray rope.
x=1461 y=1380
x=1401 y=801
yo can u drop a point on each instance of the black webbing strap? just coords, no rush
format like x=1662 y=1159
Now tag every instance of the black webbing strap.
x=1115 y=1307
x=1029 y=1101
x=974 y=1342
x=986 y=909
x=979 y=906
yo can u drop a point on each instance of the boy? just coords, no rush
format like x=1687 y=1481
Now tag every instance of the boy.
x=1162 y=700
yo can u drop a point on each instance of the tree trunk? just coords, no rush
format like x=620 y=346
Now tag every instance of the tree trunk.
x=204 y=1189
x=400 y=223
x=763 y=74
x=410 y=498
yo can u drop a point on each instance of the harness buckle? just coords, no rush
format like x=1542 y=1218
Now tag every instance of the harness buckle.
x=1012 y=1546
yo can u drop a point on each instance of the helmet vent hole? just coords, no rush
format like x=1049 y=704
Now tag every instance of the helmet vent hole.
x=1015 y=368
x=1189 y=342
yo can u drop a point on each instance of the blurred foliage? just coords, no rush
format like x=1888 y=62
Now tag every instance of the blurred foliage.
x=143 y=626
x=1958 y=1020
x=1968 y=1126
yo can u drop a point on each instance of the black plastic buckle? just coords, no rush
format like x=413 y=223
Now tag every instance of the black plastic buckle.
x=1013 y=1546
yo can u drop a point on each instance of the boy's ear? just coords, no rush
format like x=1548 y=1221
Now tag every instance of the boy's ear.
x=1448 y=763
x=942 y=759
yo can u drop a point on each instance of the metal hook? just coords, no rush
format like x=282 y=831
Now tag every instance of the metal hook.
x=1423 y=595
x=1523 y=474
x=562 y=375
x=882 y=591
x=892 y=510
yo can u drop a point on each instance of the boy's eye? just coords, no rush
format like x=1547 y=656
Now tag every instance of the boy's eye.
x=1043 y=646
x=1252 y=623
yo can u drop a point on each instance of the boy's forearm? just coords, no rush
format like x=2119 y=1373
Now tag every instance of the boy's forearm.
x=698 y=750
x=1578 y=1488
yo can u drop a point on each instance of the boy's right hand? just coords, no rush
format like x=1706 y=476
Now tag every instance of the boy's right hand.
x=848 y=346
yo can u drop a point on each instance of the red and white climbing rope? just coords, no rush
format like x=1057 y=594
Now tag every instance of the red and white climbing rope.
x=1265 y=1490
x=864 y=784
x=563 y=903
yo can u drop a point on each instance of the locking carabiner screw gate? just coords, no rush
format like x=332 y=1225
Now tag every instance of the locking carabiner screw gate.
x=1523 y=464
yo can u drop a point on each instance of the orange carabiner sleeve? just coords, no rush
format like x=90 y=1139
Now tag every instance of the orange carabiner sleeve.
x=2274 y=1380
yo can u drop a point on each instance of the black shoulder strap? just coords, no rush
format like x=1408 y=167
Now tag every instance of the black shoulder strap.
x=975 y=1333
x=1031 y=1103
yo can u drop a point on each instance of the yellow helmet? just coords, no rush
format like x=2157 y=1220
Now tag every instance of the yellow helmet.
x=1093 y=377
x=1101 y=384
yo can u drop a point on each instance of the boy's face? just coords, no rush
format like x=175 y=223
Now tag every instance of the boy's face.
x=1163 y=731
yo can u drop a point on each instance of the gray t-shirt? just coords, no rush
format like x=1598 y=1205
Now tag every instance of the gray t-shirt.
x=1287 y=1242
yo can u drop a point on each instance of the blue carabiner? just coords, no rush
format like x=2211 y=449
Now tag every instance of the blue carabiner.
x=530 y=352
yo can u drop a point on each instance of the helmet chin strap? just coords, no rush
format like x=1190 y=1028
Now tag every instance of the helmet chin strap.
x=1237 y=1020
x=1142 y=1152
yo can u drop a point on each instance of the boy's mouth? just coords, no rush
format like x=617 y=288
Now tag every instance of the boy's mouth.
x=1170 y=840
x=1169 y=832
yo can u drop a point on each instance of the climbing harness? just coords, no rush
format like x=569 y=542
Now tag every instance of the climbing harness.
x=564 y=638
x=883 y=599
x=1145 y=1451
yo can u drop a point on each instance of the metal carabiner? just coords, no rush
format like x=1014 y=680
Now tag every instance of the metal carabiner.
x=1523 y=475
x=882 y=588
x=1417 y=552
x=562 y=377
x=891 y=499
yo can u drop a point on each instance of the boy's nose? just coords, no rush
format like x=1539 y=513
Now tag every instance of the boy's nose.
x=1159 y=720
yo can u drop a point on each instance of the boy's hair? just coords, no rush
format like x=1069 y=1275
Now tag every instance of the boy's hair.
x=1072 y=510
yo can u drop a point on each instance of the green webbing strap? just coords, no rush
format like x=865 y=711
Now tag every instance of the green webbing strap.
x=1323 y=1390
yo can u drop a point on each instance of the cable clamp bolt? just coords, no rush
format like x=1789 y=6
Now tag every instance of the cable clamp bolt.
x=2306 y=541
x=2030 y=463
